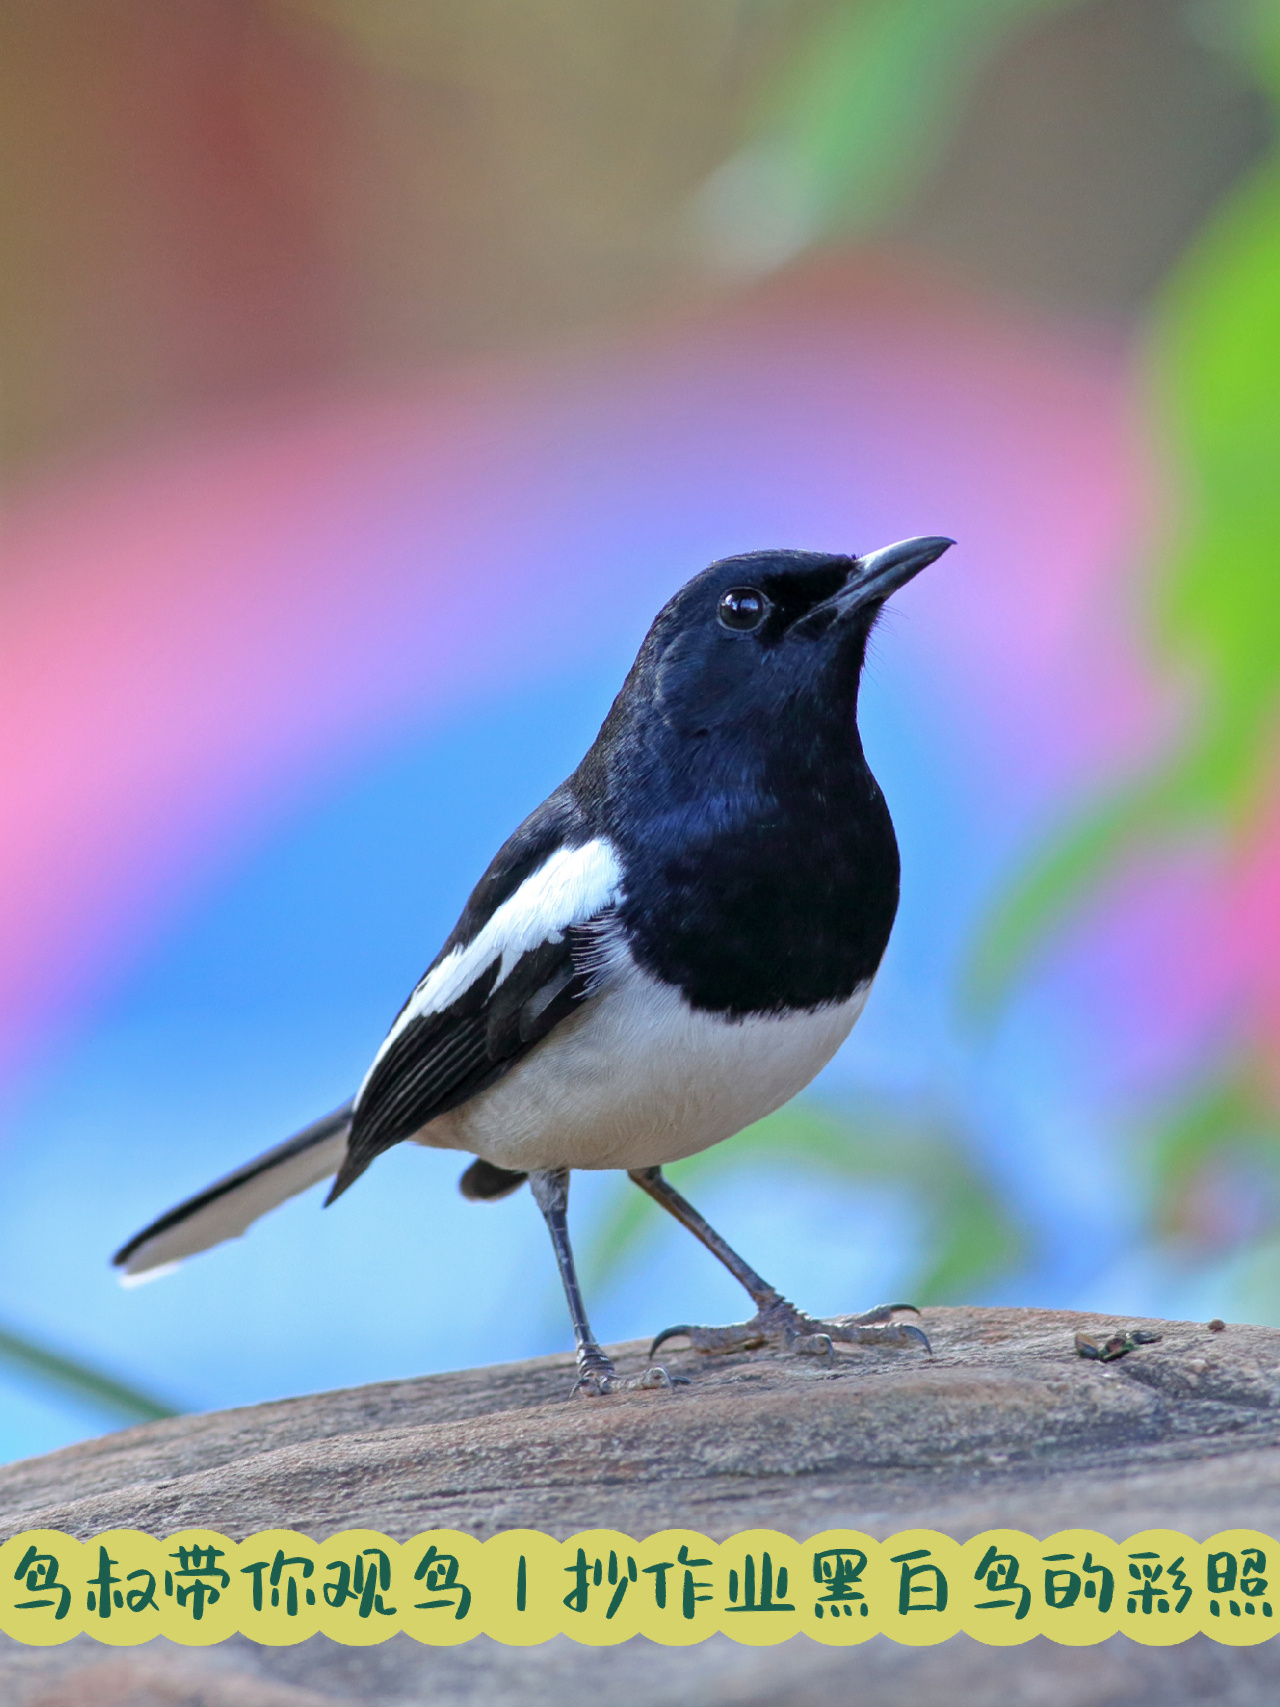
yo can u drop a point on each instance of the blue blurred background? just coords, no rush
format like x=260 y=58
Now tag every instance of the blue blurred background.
x=372 y=375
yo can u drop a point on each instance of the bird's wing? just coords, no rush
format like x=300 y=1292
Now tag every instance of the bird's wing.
x=517 y=965
x=519 y=958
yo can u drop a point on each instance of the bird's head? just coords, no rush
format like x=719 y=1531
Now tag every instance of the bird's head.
x=769 y=632
x=745 y=692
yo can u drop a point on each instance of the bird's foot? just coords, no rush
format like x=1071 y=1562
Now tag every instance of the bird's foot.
x=597 y=1376
x=781 y=1325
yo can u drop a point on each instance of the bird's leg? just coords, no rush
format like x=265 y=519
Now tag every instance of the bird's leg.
x=776 y=1322
x=596 y=1373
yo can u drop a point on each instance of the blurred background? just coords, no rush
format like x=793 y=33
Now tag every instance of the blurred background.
x=372 y=372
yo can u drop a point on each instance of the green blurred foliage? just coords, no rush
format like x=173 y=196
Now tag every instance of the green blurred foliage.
x=80 y=1381
x=1228 y=1119
x=1214 y=615
x=1213 y=608
x=1212 y=1173
x=863 y=110
x=850 y=124
x=968 y=1233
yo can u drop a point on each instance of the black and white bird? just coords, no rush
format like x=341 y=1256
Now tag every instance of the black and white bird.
x=666 y=950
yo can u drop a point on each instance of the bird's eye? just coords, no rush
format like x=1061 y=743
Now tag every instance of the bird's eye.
x=742 y=608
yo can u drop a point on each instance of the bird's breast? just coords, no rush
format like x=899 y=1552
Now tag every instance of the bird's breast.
x=638 y=1078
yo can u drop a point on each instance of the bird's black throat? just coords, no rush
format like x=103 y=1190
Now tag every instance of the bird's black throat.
x=768 y=910
x=761 y=866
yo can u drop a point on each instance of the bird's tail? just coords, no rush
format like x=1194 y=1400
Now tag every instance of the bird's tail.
x=224 y=1209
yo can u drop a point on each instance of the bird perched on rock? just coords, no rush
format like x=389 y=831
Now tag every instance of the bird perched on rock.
x=666 y=950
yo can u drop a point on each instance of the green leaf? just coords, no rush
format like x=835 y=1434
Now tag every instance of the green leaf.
x=81 y=1381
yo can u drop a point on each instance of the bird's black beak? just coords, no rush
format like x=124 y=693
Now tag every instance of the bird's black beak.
x=882 y=572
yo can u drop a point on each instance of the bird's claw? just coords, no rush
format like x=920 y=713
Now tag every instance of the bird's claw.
x=895 y=1334
x=783 y=1326
x=881 y=1313
x=597 y=1377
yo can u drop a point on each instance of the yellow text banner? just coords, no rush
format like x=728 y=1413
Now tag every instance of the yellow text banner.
x=601 y=1587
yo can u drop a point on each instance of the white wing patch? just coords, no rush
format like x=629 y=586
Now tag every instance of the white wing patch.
x=569 y=888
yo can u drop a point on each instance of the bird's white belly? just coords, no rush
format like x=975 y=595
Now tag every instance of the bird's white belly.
x=639 y=1078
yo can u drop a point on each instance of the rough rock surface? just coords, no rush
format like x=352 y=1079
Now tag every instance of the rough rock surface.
x=1004 y=1425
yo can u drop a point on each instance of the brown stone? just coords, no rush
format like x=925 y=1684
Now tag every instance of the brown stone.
x=1005 y=1425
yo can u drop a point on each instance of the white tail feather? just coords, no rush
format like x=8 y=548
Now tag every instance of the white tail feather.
x=228 y=1208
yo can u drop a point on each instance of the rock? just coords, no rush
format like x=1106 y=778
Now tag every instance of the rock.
x=1005 y=1425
